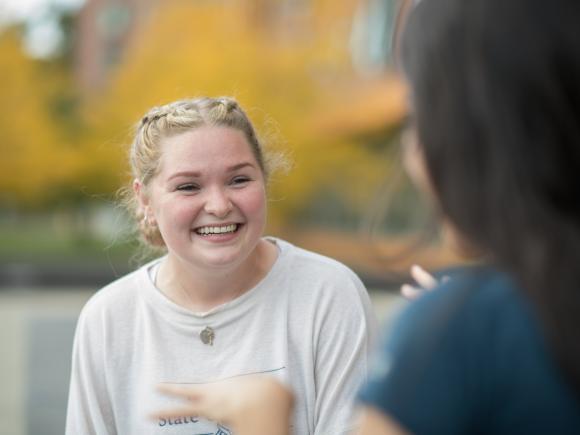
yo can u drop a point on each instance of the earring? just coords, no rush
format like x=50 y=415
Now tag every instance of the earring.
x=145 y=220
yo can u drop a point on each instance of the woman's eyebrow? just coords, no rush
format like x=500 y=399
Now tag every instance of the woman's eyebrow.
x=240 y=166
x=193 y=174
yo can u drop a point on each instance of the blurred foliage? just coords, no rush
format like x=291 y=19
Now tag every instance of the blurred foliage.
x=38 y=162
x=61 y=146
x=33 y=243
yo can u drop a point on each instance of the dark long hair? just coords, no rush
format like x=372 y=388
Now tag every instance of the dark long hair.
x=496 y=94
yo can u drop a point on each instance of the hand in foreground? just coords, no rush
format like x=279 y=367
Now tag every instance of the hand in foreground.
x=426 y=282
x=248 y=405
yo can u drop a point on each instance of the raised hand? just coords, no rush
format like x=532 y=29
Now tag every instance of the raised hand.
x=425 y=282
x=248 y=405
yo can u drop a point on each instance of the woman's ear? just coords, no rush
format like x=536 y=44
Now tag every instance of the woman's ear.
x=140 y=193
x=138 y=188
x=144 y=202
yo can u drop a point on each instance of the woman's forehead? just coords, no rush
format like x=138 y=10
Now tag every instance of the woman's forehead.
x=206 y=148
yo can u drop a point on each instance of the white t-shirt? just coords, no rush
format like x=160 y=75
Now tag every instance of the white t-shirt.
x=308 y=323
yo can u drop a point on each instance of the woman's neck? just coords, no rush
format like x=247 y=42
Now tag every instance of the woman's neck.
x=201 y=290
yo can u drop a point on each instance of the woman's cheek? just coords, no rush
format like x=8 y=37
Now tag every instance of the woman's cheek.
x=254 y=201
x=180 y=211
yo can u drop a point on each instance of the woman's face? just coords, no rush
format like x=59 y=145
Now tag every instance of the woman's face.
x=208 y=198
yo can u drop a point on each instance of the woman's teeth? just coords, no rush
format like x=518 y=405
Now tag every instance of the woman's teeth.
x=217 y=230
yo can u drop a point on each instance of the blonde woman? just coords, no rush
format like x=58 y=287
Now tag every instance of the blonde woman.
x=224 y=302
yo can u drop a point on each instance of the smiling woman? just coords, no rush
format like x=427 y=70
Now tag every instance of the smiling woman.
x=224 y=301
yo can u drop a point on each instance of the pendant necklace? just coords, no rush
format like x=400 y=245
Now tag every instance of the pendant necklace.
x=207 y=335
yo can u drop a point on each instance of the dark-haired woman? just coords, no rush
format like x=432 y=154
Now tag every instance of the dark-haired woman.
x=496 y=105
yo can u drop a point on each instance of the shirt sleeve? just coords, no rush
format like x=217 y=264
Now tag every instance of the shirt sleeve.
x=89 y=407
x=425 y=373
x=346 y=326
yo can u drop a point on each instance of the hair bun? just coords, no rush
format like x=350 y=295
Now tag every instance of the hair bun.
x=229 y=103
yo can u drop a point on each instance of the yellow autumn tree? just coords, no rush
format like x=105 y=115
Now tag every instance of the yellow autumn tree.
x=36 y=166
x=282 y=76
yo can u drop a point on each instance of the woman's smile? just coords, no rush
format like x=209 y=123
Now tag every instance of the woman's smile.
x=218 y=233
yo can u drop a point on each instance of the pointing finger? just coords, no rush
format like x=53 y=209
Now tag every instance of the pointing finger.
x=423 y=278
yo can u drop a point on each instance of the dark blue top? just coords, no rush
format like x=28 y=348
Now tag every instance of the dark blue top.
x=470 y=358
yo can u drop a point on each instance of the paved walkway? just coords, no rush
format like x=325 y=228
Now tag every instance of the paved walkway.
x=36 y=333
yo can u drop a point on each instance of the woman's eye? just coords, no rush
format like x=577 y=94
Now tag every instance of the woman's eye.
x=189 y=187
x=240 y=180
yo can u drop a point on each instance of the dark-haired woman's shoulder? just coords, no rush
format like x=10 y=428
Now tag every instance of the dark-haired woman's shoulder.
x=471 y=357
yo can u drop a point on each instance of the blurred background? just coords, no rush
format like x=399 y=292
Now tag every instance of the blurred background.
x=318 y=79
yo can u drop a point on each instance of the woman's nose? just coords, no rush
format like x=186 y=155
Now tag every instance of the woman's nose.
x=218 y=203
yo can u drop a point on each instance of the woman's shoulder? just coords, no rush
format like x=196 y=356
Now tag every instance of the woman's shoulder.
x=119 y=294
x=315 y=277
x=479 y=288
x=473 y=303
x=322 y=289
x=312 y=262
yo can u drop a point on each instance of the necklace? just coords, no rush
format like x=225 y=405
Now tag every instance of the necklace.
x=207 y=335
